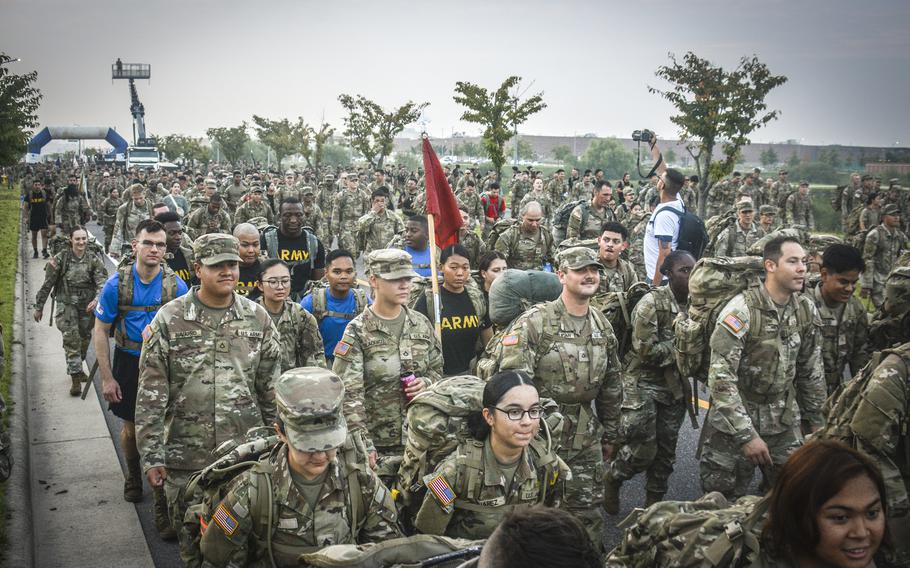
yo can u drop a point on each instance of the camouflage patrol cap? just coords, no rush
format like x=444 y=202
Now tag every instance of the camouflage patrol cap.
x=745 y=205
x=259 y=222
x=256 y=189
x=891 y=209
x=577 y=257
x=782 y=172
x=867 y=177
x=329 y=177
x=309 y=404
x=897 y=291
x=390 y=264
x=307 y=189
x=767 y=210
x=216 y=247
x=210 y=182
x=803 y=183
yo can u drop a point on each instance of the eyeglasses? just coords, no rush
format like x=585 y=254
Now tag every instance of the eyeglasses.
x=516 y=414
x=152 y=244
x=278 y=282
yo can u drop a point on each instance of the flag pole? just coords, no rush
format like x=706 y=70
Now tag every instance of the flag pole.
x=434 y=278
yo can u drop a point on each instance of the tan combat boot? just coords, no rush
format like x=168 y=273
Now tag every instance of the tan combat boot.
x=132 y=486
x=652 y=497
x=611 y=494
x=76 y=388
x=162 y=518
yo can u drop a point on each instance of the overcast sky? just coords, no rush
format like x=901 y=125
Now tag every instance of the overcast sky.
x=215 y=63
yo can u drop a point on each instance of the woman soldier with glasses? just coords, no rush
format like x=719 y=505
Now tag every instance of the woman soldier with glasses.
x=498 y=470
x=301 y=342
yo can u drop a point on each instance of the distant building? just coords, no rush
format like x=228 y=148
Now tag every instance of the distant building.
x=884 y=168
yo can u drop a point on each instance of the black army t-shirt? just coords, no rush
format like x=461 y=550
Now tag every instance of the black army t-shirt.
x=296 y=252
x=249 y=277
x=181 y=267
x=461 y=328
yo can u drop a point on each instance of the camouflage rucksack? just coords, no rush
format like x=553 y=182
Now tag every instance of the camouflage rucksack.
x=564 y=213
x=715 y=226
x=517 y=290
x=712 y=283
x=498 y=228
x=593 y=244
x=758 y=247
x=851 y=226
x=618 y=306
x=407 y=552
x=680 y=534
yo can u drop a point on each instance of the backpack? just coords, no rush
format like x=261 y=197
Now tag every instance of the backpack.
x=618 y=306
x=205 y=489
x=852 y=225
x=837 y=200
x=517 y=290
x=715 y=226
x=712 y=283
x=320 y=290
x=592 y=244
x=270 y=235
x=498 y=228
x=707 y=532
x=407 y=552
x=693 y=237
x=758 y=247
x=564 y=213
x=125 y=301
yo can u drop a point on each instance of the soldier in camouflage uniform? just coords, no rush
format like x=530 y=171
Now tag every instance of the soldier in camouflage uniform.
x=349 y=206
x=736 y=239
x=313 y=488
x=527 y=245
x=301 y=343
x=520 y=188
x=75 y=275
x=618 y=274
x=882 y=248
x=582 y=188
x=385 y=342
x=135 y=210
x=722 y=195
x=469 y=199
x=469 y=239
x=378 y=227
x=107 y=215
x=208 y=365
x=558 y=187
x=325 y=193
x=570 y=351
x=255 y=207
x=313 y=215
x=209 y=219
x=543 y=199
x=71 y=207
x=587 y=219
x=767 y=219
x=780 y=190
x=799 y=208
x=845 y=326
x=655 y=396
x=233 y=193
x=766 y=376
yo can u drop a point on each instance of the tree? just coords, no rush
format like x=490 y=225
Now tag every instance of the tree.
x=610 y=155
x=231 y=141
x=525 y=150
x=563 y=154
x=716 y=107
x=467 y=149
x=335 y=155
x=312 y=147
x=19 y=102
x=499 y=112
x=190 y=149
x=794 y=160
x=282 y=136
x=371 y=129
x=670 y=155
x=829 y=156
x=768 y=157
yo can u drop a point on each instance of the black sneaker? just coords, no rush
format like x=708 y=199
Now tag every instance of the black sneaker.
x=44 y=252
x=35 y=254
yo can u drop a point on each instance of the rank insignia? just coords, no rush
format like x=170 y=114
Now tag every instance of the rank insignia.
x=510 y=340
x=224 y=519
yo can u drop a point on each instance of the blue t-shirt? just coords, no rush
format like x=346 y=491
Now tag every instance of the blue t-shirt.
x=420 y=257
x=331 y=327
x=143 y=295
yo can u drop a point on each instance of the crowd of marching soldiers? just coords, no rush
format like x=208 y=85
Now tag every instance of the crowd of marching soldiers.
x=293 y=241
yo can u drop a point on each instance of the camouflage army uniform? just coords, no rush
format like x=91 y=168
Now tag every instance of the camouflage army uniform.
x=580 y=190
x=593 y=226
x=765 y=376
x=206 y=376
x=370 y=360
x=76 y=282
x=325 y=195
x=526 y=252
x=557 y=190
x=580 y=370
x=735 y=241
x=69 y=212
x=250 y=210
x=844 y=332
x=107 y=215
x=471 y=202
x=618 y=278
x=485 y=491
x=348 y=208
x=202 y=222
x=375 y=231
x=233 y=195
x=689 y=198
x=546 y=205
x=799 y=211
x=476 y=247
x=637 y=226
x=881 y=250
x=127 y=219
x=517 y=193
x=780 y=193
x=653 y=405
x=286 y=192
x=720 y=198
x=298 y=334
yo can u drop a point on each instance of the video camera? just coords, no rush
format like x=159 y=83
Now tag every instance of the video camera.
x=643 y=136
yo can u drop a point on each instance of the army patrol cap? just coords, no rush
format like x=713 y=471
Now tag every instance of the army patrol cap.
x=307 y=190
x=782 y=172
x=803 y=183
x=767 y=210
x=256 y=189
x=578 y=257
x=210 y=182
x=216 y=247
x=390 y=264
x=329 y=177
x=259 y=222
x=309 y=404
x=744 y=205
x=891 y=209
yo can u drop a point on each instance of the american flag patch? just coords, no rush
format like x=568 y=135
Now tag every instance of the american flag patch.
x=440 y=488
x=734 y=323
x=510 y=340
x=225 y=520
x=342 y=348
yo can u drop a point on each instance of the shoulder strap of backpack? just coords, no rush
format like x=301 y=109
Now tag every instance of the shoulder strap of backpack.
x=271 y=241
x=313 y=246
x=352 y=468
x=320 y=303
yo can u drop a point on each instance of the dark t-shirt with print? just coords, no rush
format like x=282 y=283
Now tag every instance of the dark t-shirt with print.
x=460 y=329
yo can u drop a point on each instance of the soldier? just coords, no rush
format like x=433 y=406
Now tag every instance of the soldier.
x=494 y=208
x=845 y=327
x=293 y=243
x=470 y=200
x=736 y=239
x=313 y=488
x=722 y=194
x=583 y=187
x=75 y=275
x=175 y=200
x=766 y=375
x=570 y=351
x=209 y=362
x=689 y=194
x=624 y=210
x=538 y=194
x=325 y=193
x=127 y=303
x=350 y=205
x=313 y=216
x=107 y=216
x=767 y=219
x=384 y=345
x=409 y=198
x=233 y=193
x=179 y=255
x=209 y=219
x=129 y=216
x=71 y=208
x=36 y=205
x=618 y=274
x=799 y=208
x=527 y=245
x=587 y=219
x=497 y=469
x=255 y=207
x=469 y=239
x=379 y=226
x=881 y=250
x=557 y=188
x=655 y=396
x=517 y=192
x=780 y=190
x=301 y=344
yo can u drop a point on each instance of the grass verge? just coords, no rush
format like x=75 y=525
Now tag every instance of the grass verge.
x=9 y=254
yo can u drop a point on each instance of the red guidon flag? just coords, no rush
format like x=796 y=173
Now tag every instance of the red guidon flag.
x=441 y=201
